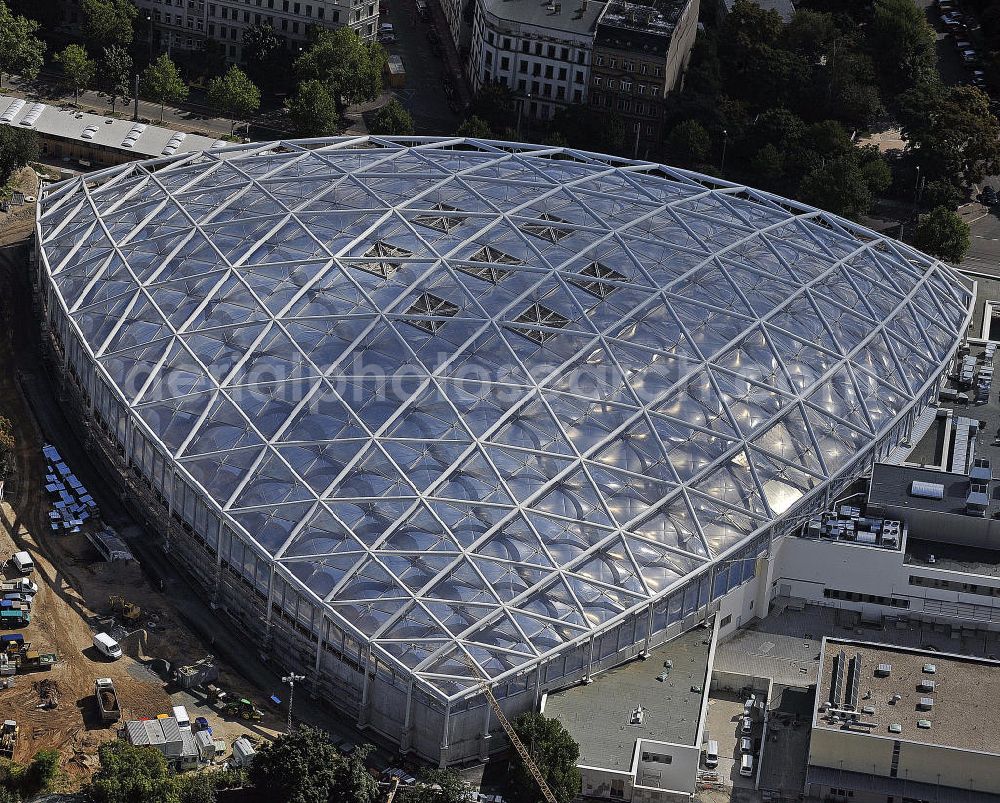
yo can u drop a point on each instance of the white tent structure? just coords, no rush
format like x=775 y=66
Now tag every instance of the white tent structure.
x=435 y=410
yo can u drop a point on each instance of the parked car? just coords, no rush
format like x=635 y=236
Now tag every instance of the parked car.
x=988 y=196
x=201 y=724
x=746 y=745
x=746 y=766
x=970 y=56
x=386 y=27
x=746 y=725
x=387 y=38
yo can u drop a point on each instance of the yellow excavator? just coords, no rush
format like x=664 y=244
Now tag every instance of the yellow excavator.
x=128 y=611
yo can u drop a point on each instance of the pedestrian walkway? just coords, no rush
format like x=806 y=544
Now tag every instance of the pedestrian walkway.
x=452 y=58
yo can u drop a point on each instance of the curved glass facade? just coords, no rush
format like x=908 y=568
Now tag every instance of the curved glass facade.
x=474 y=402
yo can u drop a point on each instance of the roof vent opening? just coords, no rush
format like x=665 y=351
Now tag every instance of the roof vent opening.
x=895 y=727
x=925 y=724
x=551 y=233
x=430 y=305
x=598 y=278
x=538 y=316
x=383 y=252
x=929 y=669
x=883 y=670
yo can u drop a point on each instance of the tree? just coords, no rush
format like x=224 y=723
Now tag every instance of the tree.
x=688 y=143
x=496 y=106
x=943 y=234
x=117 y=74
x=78 y=69
x=268 y=60
x=131 y=774
x=350 y=67
x=109 y=22
x=476 y=128
x=904 y=43
x=439 y=786
x=161 y=82
x=234 y=94
x=353 y=783
x=555 y=753
x=21 y=51
x=588 y=131
x=956 y=136
x=41 y=771
x=18 y=146
x=297 y=767
x=392 y=120
x=313 y=110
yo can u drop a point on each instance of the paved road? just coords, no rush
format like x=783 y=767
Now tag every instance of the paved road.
x=423 y=96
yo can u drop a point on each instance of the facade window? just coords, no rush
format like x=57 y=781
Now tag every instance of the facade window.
x=284 y=24
x=321 y=12
x=564 y=54
x=600 y=61
x=284 y=5
x=628 y=66
x=309 y=11
x=548 y=70
x=506 y=43
x=504 y=63
x=656 y=71
x=295 y=27
x=560 y=93
x=538 y=48
x=296 y=7
x=611 y=63
x=522 y=67
x=525 y=46
x=222 y=31
x=211 y=9
x=626 y=86
x=577 y=96
x=552 y=51
x=872 y=599
x=643 y=69
x=534 y=90
x=562 y=73
x=521 y=85
x=598 y=80
x=578 y=78
x=488 y=57
x=489 y=37
x=211 y=29
x=536 y=69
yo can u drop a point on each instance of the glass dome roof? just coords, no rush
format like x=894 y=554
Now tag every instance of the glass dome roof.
x=483 y=399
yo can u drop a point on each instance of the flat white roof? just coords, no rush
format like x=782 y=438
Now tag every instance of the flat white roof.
x=72 y=124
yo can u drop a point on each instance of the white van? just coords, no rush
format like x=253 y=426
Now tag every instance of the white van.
x=183 y=720
x=23 y=563
x=746 y=765
x=712 y=754
x=109 y=648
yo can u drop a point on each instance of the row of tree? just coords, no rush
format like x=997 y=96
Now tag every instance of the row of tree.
x=304 y=767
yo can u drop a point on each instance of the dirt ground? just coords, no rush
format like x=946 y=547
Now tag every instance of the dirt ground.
x=72 y=603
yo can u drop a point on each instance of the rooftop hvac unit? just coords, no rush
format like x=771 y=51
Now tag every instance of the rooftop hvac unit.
x=867 y=538
x=883 y=670
x=924 y=723
x=925 y=703
x=926 y=685
x=927 y=490
x=929 y=669
x=895 y=727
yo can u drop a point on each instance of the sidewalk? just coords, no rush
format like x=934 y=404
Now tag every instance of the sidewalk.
x=192 y=118
x=454 y=61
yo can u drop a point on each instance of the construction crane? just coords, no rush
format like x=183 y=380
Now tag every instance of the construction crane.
x=515 y=740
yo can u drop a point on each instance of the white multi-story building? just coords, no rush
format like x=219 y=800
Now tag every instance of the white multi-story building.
x=542 y=52
x=185 y=24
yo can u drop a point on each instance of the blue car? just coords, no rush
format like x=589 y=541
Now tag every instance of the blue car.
x=201 y=724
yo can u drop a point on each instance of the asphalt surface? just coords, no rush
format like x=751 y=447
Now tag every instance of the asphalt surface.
x=423 y=96
x=226 y=641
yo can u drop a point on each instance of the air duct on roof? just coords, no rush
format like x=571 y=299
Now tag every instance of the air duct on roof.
x=927 y=490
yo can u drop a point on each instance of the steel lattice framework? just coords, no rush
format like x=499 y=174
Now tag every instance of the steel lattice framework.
x=602 y=374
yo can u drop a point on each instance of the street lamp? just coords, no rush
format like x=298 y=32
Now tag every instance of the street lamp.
x=520 y=109
x=725 y=141
x=149 y=27
x=290 y=679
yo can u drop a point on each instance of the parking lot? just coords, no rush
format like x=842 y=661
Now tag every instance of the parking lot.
x=725 y=713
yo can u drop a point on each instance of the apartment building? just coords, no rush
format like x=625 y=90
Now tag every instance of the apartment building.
x=640 y=54
x=542 y=52
x=186 y=24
